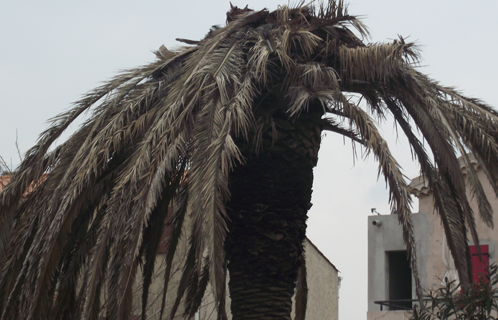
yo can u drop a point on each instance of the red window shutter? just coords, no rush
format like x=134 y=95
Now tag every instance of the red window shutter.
x=479 y=266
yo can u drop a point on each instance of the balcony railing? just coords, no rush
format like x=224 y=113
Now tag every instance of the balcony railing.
x=398 y=304
x=405 y=304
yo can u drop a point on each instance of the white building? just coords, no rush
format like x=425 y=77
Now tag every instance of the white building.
x=390 y=284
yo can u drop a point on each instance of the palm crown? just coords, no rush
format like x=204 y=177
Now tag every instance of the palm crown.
x=195 y=130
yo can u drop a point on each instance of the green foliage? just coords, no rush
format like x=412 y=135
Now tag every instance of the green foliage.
x=480 y=302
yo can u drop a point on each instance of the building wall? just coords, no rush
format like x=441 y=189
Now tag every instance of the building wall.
x=323 y=285
x=323 y=289
x=388 y=236
x=4 y=180
x=434 y=264
x=429 y=240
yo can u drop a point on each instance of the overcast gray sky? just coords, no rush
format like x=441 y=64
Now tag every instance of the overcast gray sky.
x=52 y=52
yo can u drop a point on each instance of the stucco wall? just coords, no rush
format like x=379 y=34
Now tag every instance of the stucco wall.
x=323 y=286
x=434 y=264
x=3 y=182
x=322 y=277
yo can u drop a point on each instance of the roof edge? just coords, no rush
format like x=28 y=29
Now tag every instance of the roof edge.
x=420 y=187
x=321 y=253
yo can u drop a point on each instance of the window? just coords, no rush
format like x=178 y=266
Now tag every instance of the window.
x=400 y=280
x=479 y=266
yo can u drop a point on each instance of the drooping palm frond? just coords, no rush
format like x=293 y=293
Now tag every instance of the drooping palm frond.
x=168 y=134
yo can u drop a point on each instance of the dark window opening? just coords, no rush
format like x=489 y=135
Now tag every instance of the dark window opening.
x=400 y=280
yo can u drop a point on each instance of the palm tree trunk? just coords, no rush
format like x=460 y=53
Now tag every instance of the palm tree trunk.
x=270 y=197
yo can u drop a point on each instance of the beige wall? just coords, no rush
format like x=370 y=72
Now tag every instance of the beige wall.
x=323 y=289
x=323 y=285
x=434 y=265
x=3 y=182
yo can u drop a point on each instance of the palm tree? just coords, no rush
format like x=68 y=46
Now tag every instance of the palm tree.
x=227 y=131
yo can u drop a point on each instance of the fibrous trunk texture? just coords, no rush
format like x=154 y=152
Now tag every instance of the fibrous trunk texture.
x=270 y=197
